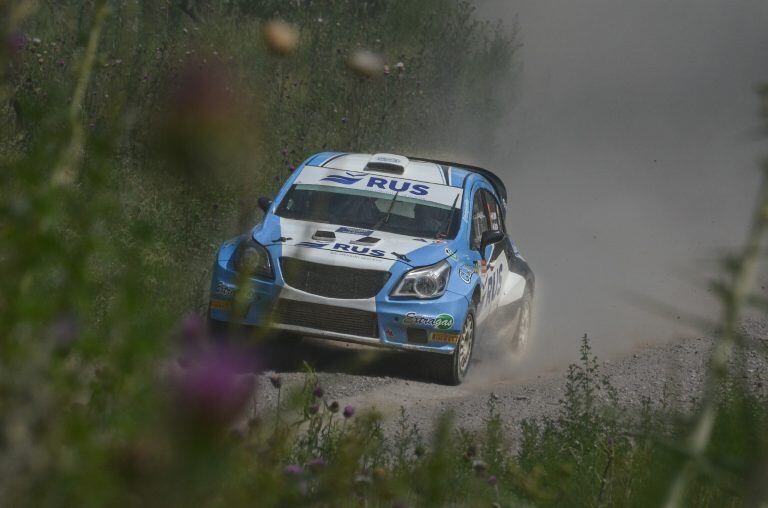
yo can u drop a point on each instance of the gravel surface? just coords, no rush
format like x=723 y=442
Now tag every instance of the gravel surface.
x=669 y=375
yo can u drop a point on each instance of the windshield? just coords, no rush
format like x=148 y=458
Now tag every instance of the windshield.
x=368 y=210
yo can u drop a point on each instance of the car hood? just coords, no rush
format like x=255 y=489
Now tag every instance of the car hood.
x=354 y=247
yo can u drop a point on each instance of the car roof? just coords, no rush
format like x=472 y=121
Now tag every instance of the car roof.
x=413 y=168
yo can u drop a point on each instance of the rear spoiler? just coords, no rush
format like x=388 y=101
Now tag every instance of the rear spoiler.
x=495 y=181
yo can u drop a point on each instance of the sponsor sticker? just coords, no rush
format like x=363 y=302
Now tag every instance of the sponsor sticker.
x=448 y=338
x=441 y=322
x=344 y=248
x=225 y=305
x=227 y=291
x=355 y=231
x=465 y=272
x=438 y=193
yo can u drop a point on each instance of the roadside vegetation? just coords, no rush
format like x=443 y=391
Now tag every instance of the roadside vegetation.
x=135 y=136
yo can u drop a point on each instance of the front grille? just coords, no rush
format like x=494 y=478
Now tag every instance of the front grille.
x=332 y=281
x=327 y=317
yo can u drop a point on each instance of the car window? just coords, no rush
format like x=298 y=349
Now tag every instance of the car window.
x=370 y=210
x=479 y=219
x=495 y=215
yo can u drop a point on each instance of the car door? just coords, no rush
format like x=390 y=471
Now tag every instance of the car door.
x=496 y=262
x=479 y=226
x=511 y=283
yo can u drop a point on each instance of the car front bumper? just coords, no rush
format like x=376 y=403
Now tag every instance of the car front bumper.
x=389 y=323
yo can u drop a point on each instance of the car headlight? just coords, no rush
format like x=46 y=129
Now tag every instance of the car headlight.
x=252 y=259
x=426 y=282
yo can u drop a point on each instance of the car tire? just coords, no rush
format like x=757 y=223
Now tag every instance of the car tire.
x=451 y=369
x=523 y=331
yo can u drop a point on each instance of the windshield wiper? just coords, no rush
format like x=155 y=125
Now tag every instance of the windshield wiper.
x=447 y=224
x=385 y=219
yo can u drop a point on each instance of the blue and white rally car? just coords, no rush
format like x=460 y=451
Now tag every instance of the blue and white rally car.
x=382 y=250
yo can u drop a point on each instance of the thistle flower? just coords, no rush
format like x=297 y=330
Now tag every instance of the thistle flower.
x=16 y=43
x=316 y=463
x=349 y=411
x=64 y=331
x=492 y=481
x=293 y=470
x=192 y=329
x=314 y=408
x=318 y=392
x=334 y=407
x=211 y=393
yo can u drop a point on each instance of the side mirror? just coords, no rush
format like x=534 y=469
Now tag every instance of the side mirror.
x=489 y=238
x=264 y=203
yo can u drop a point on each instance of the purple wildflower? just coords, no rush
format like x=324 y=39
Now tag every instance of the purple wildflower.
x=293 y=470
x=192 y=328
x=61 y=62
x=316 y=463
x=492 y=481
x=64 y=330
x=318 y=392
x=284 y=151
x=314 y=408
x=16 y=42
x=349 y=411
x=210 y=392
x=334 y=407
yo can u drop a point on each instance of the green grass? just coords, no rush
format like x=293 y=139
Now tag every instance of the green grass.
x=135 y=136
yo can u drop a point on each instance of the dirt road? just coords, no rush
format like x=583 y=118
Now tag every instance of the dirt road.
x=670 y=374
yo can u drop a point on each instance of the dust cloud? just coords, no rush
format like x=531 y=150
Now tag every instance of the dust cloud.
x=630 y=156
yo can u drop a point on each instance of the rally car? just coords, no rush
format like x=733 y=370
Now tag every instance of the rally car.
x=383 y=250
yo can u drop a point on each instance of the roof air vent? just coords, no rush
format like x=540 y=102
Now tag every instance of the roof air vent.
x=387 y=163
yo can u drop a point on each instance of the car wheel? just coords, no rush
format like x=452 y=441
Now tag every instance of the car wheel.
x=452 y=368
x=523 y=331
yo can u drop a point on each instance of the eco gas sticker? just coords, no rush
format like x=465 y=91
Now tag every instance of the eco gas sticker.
x=441 y=322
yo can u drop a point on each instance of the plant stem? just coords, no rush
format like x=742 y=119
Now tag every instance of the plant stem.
x=67 y=168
